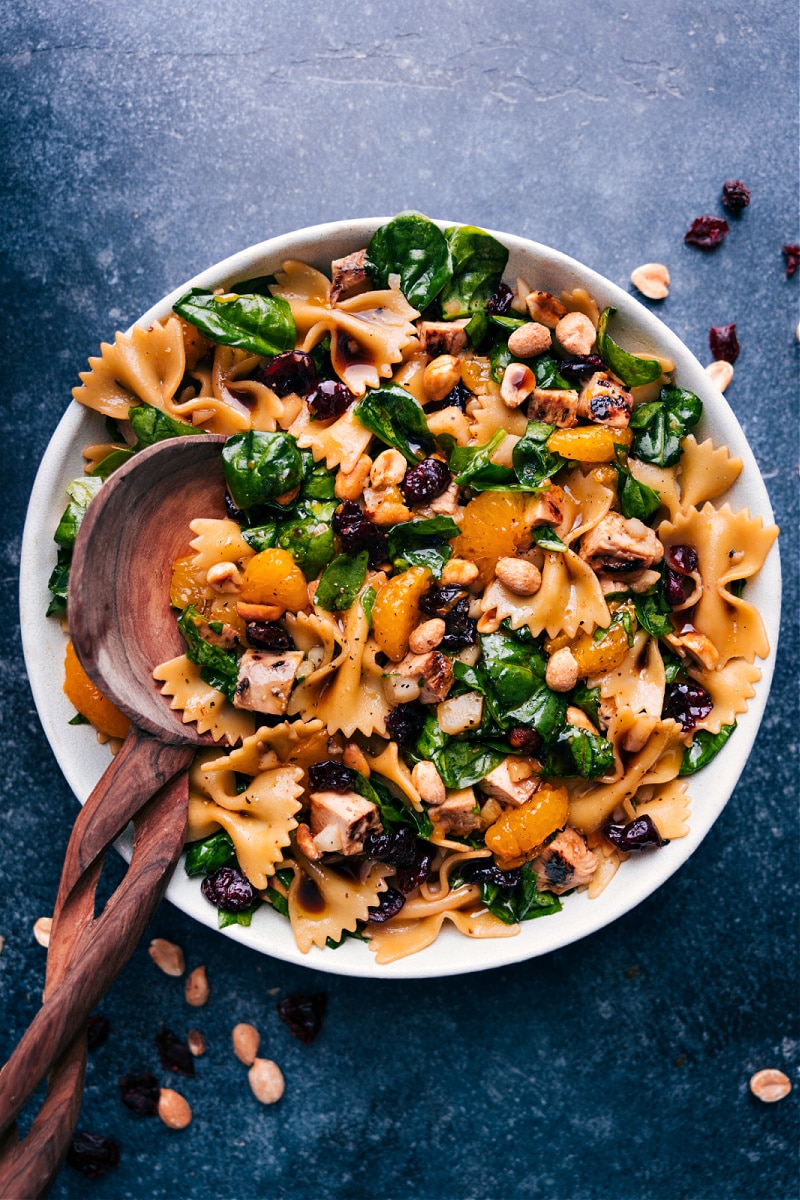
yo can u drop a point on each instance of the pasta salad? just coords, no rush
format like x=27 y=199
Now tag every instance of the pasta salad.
x=477 y=611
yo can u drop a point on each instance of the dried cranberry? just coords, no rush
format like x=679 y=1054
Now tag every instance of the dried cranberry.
x=456 y=399
x=389 y=905
x=574 y=368
x=302 y=1015
x=411 y=877
x=291 y=373
x=680 y=562
x=481 y=871
x=460 y=629
x=522 y=737
x=92 y=1154
x=440 y=601
x=682 y=558
x=269 y=635
x=687 y=703
x=232 y=512
x=792 y=255
x=357 y=532
x=499 y=304
x=175 y=1055
x=97 y=1030
x=638 y=834
x=329 y=399
x=707 y=232
x=676 y=588
x=139 y=1092
x=723 y=343
x=735 y=196
x=228 y=889
x=398 y=847
x=404 y=723
x=426 y=481
x=331 y=776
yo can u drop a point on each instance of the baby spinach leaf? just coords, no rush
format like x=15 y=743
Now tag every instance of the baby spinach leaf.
x=546 y=537
x=662 y=425
x=202 y=858
x=478 y=262
x=414 y=248
x=81 y=491
x=545 y=369
x=318 y=482
x=533 y=462
x=261 y=324
x=224 y=919
x=577 y=751
x=514 y=671
x=260 y=466
x=109 y=464
x=430 y=741
x=218 y=667
x=261 y=537
x=462 y=763
x=587 y=700
x=308 y=536
x=341 y=582
x=393 y=811
x=704 y=747
x=277 y=900
x=506 y=322
x=58 y=583
x=393 y=415
x=521 y=903
x=633 y=371
x=422 y=544
x=151 y=425
x=472 y=465
x=636 y=499
x=653 y=613
x=544 y=712
x=367 y=602
x=79 y=719
x=674 y=667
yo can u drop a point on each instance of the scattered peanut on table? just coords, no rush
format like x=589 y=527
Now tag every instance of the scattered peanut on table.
x=167 y=956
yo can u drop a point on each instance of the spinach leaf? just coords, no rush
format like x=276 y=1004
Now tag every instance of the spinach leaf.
x=414 y=248
x=514 y=671
x=341 y=582
x=462 y=763
x=202 y=858
x=318 y=482
x=261 y=537
x=653 y=612
x=587 y=700
x=260 y=466
x=367 y=602
x=218 y=667
x=508 y=323
x=633 y=371
x=430 y=741
x=662 y=425
x=478 y=262
x=109 y=464
x=278 y=901
x=546 y=537
x=636 y=499
x=261 y=324
x=512 y=905
x=674 y=667
x=393 y=415
x=81 y=491
x=576 y=751
x=736 y=588
x=58 y=583
x=471 y=465
x=151 y=425
x=545 y=369
x=544 y=711
x=704 y=747
x=259 y=284
x=308 y=536
x=224 y=919
x=533 y=462
x=79 y=719
x=422 y=544
x=393 y=811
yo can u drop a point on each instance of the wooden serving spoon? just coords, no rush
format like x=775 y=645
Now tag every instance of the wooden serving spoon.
x=121 y=627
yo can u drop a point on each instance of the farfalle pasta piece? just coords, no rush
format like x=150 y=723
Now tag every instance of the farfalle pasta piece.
x=730 y=546
x=258 y=820
x=143 y=365
x=608 y=861
x=339 y=443
x=661 y=479
x=391 y=767
x=586 y=501
x=333 y=904
x=368 y=332
x=420 y=921
x=705 y=472
x=669 y=808
x=217 y=541
x=730 y=688
x=570 y=598
x=638 y=682
x=590 y=810
x=293 y=743
x=201 y=703
x=488 y=412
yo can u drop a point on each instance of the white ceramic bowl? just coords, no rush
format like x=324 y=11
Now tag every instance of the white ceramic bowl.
x=83 y=760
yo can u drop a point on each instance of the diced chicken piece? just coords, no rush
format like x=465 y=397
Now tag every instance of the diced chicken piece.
x=565 y=863
x=461 y=713
x=340 y=821
x=544 y=308
x=433 y=671
x=446 y=504
x=547 y=509
x=554 y=406
x=689 y=640
x=226 y=638
x=350 y=276
x=442 y=337
x=265 y=680
x=606 y=401
x=514 y=781
x=619 y=546
x=458 y=814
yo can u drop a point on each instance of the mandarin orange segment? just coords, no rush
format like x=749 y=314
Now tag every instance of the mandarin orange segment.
x=521 y=831
x=90 y=701
x=396 y=611
x=599 y=655
x=273 y=577
x=493 y=527
x=592 y=444
x=188 y=585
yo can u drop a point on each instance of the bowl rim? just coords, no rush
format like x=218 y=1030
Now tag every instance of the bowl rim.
x=81 y=760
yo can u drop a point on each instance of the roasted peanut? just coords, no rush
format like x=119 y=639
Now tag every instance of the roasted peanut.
x=562 y=671
x=770 y=1085
x=720 y=373
x=173 y=1109
x=428 y=782
x=519 y=576
x=426 y=636
x=224 y=577
x=529 y=340
x=459 y=571
x=196 y=989
x=266 y=1080
x=167 y=956
x=388 y=469
x=196 y=1042
x=441 y=376
x=41 y=930
x=349 y=485
x=544 y=308
x=652 y=280
x=576 y=333
x=518 y=383
x=246 y=1040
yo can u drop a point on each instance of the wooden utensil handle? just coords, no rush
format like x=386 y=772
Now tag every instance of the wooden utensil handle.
x=87 y=952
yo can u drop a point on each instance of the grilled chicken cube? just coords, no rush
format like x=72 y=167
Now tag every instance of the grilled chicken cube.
x=606 y=401
x=442 y=337
x=434 y=672
x=458 y=814
x=340 y=821
x=265 y=680
x=350 y=276
x=565 y=863
x=554 y=406
x=547 y=508
x=620 y=546
x=513 y=782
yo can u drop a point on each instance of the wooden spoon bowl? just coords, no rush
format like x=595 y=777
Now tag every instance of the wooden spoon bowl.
x=121 y=627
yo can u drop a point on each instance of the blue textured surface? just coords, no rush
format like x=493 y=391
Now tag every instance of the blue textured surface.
x=141 y=143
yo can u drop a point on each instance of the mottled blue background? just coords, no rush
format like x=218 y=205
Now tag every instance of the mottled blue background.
x=141 y=143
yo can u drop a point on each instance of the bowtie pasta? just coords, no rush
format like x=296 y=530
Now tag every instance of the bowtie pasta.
x=476 y=613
